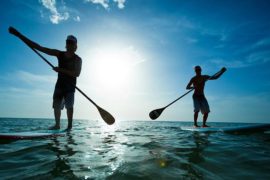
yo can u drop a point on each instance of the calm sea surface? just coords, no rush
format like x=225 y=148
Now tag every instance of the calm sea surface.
x=133 y=150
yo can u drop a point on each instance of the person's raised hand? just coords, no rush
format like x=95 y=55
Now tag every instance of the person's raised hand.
x=56 y=69
x=13 y=31
x=223 y=69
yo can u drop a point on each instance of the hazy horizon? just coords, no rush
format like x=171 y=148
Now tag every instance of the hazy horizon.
x=139 y=56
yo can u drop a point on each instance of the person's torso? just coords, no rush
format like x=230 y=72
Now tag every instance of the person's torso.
x=199 y=83
x=67 y=63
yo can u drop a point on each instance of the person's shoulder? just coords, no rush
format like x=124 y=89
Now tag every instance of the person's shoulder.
x=60 y=53
x=193 y=78
x=78 y=57
x=206 y=76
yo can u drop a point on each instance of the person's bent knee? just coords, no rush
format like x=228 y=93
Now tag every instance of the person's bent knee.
x=69 y=109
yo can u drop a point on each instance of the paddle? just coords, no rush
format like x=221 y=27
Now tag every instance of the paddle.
x=106 y=116
x=157 y=112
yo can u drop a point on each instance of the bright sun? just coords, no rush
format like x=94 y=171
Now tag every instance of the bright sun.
x=113 y=66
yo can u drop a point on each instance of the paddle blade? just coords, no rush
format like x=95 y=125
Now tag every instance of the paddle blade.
x=156 y=113
x=107 y=117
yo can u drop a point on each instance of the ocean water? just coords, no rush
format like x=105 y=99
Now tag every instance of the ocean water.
x=133 y=150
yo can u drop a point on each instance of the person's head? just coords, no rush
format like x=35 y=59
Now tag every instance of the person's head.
x=71 y=43
x=198 y=70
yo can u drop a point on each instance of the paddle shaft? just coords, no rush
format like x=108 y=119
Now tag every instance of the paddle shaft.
x=189 y=91
x=50 y=64
x=179 y=98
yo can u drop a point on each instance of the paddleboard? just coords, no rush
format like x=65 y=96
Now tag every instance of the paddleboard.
x=31 y=134
x=244 y=128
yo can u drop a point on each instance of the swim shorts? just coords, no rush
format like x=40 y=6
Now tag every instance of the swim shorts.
x=200 y=104
x=62 y=98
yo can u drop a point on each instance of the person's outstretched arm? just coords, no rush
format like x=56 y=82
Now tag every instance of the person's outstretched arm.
x=32 y=44
x=189 y=84
x=219 y=74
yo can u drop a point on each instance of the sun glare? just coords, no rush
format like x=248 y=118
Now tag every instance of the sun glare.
x=113 y=66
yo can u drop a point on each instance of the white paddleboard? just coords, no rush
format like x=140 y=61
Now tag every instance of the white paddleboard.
x=32 y=134
x=244 y=128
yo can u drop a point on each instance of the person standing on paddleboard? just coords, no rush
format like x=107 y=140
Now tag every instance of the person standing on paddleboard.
x=69 y=68
x=199 y=101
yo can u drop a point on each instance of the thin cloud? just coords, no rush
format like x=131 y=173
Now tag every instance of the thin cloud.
x=106 y=3
x=34 y=85
x=263 y=42
x=34 y=78
x=259 y=57
x=245 y=54
x=28 y=78
x=229 y=63
x=250 y=60
x=258 y=45
x=55 y=17
x=191 y=40
x=58 y=15
x=15 y=91
x=185 y=27
x=77 y=18
x=121 y=3
x=137 y=57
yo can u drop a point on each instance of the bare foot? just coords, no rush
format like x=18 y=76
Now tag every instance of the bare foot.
x=205 y=126
x=196 y=126
x=68 y=129
x=54 y=127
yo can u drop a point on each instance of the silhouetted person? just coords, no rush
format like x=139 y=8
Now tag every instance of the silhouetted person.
x=199 y=101
x=69 y=68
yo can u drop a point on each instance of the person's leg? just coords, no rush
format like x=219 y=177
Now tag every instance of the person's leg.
x=205 y=111
x=70 y=117
x=196 y=109
x=57 y=115
x=58 y=105
x=205 y=116
x=196 y=118
x=69 y=102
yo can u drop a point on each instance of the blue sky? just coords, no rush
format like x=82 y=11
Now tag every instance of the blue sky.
x=139 y=55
